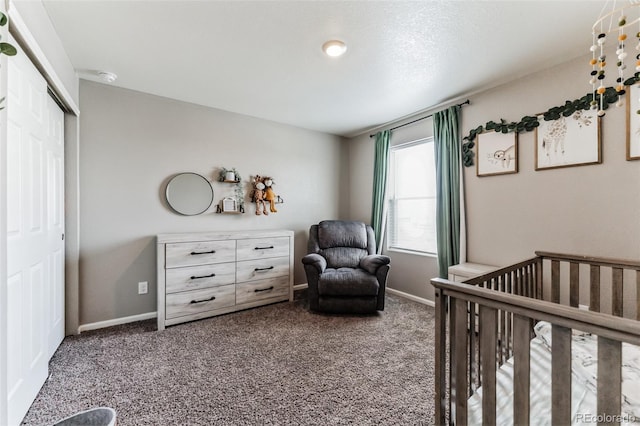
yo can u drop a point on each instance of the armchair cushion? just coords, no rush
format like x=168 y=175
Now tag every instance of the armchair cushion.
x=316 y=260
x=372 y=262
x=347 y=282
x=338 y=233
x=348 y=257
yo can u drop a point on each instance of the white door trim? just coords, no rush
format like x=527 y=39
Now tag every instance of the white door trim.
x=21 y=32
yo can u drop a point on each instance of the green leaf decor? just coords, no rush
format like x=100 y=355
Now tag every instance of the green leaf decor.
x=530 y=122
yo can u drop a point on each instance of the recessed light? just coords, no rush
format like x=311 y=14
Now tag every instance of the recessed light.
x=107 y=77
x=334 y=48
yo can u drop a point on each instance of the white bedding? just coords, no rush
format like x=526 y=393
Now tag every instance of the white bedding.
x=583 y=377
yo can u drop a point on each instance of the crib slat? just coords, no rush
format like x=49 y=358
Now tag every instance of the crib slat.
x=440 y=357
x=488 y=341
x=539 y=294
x=594 y=291
x=521 y=366
x=638 y=295
x=509 y=318
x=609 y=378
x=574 y=284
x=501 y=327
x=555 y=281
x=561 y=375
x=473 y=372
x=616 y=298
x=460 y=360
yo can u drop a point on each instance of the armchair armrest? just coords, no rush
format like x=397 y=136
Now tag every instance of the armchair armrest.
x=316 y=260
x=372 y=262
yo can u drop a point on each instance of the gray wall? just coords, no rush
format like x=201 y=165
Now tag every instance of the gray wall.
x=591 y=210
x=132 y=143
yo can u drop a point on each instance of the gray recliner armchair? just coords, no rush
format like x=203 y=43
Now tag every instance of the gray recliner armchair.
x=343 y=271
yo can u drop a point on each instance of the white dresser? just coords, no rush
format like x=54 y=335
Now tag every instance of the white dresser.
x=212 y=273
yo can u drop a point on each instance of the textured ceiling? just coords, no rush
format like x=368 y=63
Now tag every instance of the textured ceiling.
x=264 y=58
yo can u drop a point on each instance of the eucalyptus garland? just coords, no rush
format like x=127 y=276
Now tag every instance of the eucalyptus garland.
x=529 y=122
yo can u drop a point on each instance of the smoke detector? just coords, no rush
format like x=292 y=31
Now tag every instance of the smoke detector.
x=107 y=77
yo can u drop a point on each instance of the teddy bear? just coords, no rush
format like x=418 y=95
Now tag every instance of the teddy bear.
x=270 y=195
x=259 y=196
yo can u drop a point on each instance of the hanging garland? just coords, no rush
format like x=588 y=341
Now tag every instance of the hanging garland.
x=529 y=122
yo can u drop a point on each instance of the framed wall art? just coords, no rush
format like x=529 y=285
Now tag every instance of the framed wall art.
x=633 y=122
x=568 y=141
x=497 y=153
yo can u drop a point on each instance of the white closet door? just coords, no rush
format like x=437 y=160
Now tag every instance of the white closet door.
x=54 y=142
x=35 y=222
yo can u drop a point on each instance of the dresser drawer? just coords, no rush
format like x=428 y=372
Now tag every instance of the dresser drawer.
x=200 y=253
x=263 y=289
x=261 y=248
x=198 y=277
x=193 y=302
x=252 y=270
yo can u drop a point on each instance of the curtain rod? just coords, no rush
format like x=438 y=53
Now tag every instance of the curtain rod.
x=420 y=119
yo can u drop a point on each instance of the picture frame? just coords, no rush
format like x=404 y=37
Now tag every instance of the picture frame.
x=569 y=141
x=229 y=204
x=633 y=123
x=497 y=153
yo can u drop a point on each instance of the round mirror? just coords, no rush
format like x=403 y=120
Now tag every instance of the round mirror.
x=189 y=194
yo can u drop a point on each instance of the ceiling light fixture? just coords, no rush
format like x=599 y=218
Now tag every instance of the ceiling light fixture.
x=107 y=77
x=334 y=48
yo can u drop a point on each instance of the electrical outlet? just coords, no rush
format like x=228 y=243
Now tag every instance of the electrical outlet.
x=143 y=287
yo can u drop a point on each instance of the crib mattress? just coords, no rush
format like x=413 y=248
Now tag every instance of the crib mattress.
x=583 y=389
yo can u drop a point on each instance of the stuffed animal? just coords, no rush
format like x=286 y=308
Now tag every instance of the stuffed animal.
x=270 y=195
x=259 y=196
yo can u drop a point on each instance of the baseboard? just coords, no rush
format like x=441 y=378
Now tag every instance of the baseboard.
x=411 y=297
x=116 y=321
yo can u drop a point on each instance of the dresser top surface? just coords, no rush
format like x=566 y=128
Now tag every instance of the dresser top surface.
x=221 y=235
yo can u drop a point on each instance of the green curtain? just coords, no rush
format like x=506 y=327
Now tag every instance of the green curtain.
x=381 y=161
x=447 y=145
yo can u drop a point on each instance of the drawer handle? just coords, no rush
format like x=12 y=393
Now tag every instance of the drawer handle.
x=263 y=248
x=263 y=269
x=258 y=290
x=203 y=276
x=205 y=300
x=195 y=253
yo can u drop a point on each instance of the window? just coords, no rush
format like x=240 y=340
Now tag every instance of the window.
x=412 y=197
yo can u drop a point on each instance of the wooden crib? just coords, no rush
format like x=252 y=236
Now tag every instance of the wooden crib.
x=488 y=321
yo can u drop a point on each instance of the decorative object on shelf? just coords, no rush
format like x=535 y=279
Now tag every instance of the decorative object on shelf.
x=497 y=153
x=529 y=123
x=229 y=205
x=232 y=176
x=601 y=31
x=259 y=194
x=263 y=193
x=572 y=140
x=269 y=194
x=229 y=175
x=5 y=48
x=633 y=123
x=189 y=194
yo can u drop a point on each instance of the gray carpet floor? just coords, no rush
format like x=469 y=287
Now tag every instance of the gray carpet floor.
x=274 y=365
